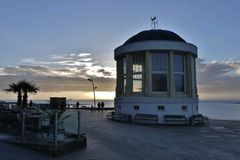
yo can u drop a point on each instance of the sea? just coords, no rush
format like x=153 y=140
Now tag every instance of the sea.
x=223 y=110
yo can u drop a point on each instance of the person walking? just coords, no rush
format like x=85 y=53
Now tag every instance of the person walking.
x=31 y=103
x=99 y=105
x=77 y=104
x=102 y=105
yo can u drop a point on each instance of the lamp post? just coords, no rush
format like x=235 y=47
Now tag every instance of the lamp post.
x=94 y=88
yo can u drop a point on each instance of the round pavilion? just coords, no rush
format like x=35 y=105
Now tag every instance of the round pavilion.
x=156 y=74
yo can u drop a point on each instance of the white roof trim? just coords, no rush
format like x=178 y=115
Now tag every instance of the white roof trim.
x=156 y=45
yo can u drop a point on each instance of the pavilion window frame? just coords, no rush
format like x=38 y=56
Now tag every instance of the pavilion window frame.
x=166 y=72
x=183 y=73
x=140 y=73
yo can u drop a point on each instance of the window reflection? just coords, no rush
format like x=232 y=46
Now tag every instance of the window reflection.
x=178 y=63
x=179 y=72
x=159 y=72
x=159 y=82
x=159 y=62
x=179 y=82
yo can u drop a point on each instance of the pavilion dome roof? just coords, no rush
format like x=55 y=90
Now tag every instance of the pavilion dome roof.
x=154 y=34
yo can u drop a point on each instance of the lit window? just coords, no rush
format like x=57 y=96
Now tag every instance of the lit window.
x=179 y=73
x=137 y=82
x=159 y=72
x=138 y=71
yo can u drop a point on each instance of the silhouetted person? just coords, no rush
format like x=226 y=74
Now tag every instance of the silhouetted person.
x=30 y=103
x=77 y=104
x=99 y=105
x=102 y=105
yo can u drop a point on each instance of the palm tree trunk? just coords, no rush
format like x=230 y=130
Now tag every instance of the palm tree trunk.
x=19 y=100
x=25 y=96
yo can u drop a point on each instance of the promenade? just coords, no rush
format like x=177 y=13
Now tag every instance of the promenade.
x=109 y=140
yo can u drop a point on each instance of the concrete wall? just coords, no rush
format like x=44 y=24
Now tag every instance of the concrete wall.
x=149 y=105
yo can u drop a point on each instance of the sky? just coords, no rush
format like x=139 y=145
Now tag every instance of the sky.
x=59 y=43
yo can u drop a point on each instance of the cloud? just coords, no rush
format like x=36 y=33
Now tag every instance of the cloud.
x=80 y=65
x=84 y=54
x=68 y=72
x=2 y=72
x=39 y=71
x=65 y=72
x=81 y=59
x=58 y=84
x=104 y=72
x=218 y=78
x=100 y=71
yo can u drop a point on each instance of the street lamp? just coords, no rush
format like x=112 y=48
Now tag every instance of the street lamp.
x=94 y=88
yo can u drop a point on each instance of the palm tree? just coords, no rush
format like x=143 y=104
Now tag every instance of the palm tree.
x=27 y=87
x=24 y=87
x=15 y=88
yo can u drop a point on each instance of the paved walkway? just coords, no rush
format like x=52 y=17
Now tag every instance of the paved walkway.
x=108 y=140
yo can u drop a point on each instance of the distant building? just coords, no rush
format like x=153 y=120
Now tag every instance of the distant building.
x=156 y=74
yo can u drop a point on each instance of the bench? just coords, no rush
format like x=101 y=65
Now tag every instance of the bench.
x=175 y=119
x=110 y=115
x=143 y=118
x=118 y=117
x=198 y=119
